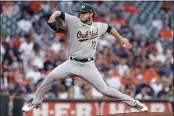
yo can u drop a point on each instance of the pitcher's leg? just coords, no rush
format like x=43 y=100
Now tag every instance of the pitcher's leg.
x=93 y=76
x=43 y=89
x=60 y=72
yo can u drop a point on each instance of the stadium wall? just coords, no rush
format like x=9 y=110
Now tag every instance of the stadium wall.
x=59 y=107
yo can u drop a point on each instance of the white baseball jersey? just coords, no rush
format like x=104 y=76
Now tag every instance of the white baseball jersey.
x=83 y=37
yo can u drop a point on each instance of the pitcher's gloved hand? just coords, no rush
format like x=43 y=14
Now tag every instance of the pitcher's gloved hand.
x=57 y=26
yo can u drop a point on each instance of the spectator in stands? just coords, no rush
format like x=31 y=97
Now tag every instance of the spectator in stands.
x=122 y=67
x=140 y=29
x=30 y=87
x=87 y=91
x=56 y=46
x=156 y=85
x=111 y=80
x=46 y=7
x=69 y=83
x=131 y=8
x=141 y=83
x=61 y=92
x=71 y=92
x=19 y=89
x=4 y=81
x=156 y=57
x=35 y=6
x=9 y=8
x=166 y=69
x=2 y=52
x=77 y=88
x=170 y=93
x=129 y=90
x=33 y=72
x=159 y=47
x=167 y=87
x=149 y=73
x=169 y=54
x=25 y=23
x=167 y=6
x=66 y=6
x=166 y=33
x=157 y=23
x=37 y=56
x=143 y=94
x=37 y=32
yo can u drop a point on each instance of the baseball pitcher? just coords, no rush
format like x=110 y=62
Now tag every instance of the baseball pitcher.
x=83 y=35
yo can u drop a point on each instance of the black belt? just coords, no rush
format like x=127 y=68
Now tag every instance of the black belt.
x=82 y=60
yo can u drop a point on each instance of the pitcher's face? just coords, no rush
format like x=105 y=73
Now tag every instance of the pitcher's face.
x=84 y=17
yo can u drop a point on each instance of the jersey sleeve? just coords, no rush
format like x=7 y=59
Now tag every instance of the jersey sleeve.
x=70 y=20
x=103 y=28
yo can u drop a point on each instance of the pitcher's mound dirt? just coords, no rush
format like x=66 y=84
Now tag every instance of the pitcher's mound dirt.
x=144 y=114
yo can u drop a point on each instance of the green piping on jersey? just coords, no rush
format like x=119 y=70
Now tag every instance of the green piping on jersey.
x=109 y=28
x=62 y=16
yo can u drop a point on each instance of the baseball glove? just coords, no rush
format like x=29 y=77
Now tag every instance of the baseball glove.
x=57 y=26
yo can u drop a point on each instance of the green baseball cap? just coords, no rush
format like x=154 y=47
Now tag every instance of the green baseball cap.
x=86 y=8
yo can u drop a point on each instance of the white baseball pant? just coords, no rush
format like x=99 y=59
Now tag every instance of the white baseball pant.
x=88 y=72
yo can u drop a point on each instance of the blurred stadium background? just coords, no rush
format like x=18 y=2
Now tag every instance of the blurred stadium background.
x=30 y=50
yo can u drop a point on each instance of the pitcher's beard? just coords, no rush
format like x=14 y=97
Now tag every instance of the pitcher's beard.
x=85 y=21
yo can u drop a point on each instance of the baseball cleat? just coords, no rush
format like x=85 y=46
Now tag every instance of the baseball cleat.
x=30 y=106
x=140 y=107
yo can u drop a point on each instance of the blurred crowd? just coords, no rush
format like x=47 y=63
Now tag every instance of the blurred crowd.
x=30 y=50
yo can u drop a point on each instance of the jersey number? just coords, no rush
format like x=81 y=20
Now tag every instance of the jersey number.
x=93 y=44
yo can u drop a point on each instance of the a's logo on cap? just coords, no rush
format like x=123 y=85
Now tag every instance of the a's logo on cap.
x=83 y=6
